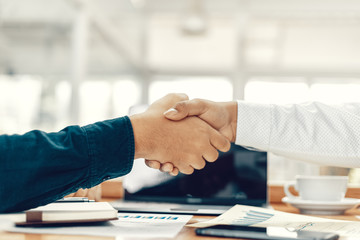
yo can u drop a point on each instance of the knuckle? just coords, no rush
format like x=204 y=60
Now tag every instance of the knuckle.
x=180 y=106
x=178 y=96
x=153 y=164
x=167 y=167
x=183 y=96
x=196 y=101
x=174 y=172
x=171 y=95
x=200 y=104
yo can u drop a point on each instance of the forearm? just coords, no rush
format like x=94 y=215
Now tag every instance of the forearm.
x=38 y=168
x=312 y=132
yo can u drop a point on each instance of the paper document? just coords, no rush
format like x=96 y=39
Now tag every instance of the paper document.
x=262 y=217
x=128 y=225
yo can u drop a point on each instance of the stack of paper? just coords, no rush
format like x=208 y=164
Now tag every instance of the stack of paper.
x=128 y=225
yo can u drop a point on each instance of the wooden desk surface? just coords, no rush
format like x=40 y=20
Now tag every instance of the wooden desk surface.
x=185 y=234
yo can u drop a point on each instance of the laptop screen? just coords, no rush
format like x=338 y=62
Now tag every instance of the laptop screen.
x=237 y=177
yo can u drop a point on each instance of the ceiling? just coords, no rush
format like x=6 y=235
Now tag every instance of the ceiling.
x=36 y=35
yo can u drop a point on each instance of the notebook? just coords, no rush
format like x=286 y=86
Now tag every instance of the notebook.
x=69 y=213
x=237 y=177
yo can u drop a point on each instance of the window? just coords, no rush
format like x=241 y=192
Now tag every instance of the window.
x=94 y=101
x=62 y=100
x=126 y=93
x=20 y=98
x=276 y=92
x=334 y=93
x=212 y=88
x=104 y=99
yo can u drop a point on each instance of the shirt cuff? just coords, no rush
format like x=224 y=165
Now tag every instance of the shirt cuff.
x=254 y=125
x=111 y=149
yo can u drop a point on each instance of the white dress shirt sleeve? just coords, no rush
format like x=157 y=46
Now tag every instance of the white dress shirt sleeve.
x=314 y=132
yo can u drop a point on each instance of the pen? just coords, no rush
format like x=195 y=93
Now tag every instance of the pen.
x=73 y=199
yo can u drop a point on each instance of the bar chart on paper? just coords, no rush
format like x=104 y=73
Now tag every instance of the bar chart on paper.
x=252 y=217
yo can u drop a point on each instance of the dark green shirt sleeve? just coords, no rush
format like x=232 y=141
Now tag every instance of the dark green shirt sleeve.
x=38 y=168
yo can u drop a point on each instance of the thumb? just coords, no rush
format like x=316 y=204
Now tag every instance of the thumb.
x=181 y=110
x=178 y=111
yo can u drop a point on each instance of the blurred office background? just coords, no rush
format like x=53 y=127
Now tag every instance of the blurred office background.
x=78 y=61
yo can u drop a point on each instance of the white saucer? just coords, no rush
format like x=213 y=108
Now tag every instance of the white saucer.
x=322 y=207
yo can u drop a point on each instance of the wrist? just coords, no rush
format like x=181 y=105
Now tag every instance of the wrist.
x=232 y=109
x=141 y=136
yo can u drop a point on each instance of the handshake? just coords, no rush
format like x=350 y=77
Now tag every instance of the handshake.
x=177 y=134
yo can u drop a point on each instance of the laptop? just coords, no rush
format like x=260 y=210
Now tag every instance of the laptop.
x=237 y=177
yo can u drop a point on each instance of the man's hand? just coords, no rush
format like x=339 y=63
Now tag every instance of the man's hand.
x=185 y=144
x=220 y=115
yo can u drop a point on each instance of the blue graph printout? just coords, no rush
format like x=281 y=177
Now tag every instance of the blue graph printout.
x=252 y=217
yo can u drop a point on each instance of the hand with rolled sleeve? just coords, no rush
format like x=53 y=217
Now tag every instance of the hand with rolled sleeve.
x=37 y=168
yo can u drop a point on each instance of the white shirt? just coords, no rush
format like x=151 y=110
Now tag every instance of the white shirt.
x=314 y=132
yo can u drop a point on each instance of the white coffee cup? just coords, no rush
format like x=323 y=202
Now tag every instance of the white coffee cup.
x=318 y=188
